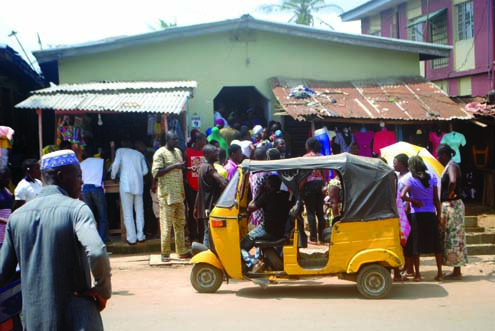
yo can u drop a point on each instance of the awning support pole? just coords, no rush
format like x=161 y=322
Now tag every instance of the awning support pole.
x=40 y=131
x=313 y=128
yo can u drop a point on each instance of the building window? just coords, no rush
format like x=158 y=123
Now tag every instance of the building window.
x=415 y=32
x=439 y=35
x=465 y=23
x=377 y=33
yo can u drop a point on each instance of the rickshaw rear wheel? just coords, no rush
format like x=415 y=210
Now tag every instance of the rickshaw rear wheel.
x=374 y=281
x=206 y=278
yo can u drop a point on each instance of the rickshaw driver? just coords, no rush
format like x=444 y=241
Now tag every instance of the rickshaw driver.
x=276 y=205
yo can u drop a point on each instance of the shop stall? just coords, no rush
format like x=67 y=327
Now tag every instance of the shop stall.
x=104 y=113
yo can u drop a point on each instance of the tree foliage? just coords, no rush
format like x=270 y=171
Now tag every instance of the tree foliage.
x=303 y=10
x=162 y=25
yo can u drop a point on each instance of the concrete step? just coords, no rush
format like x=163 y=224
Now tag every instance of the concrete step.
x=471 y=221
x=149 y=246
x=472 y=229
x=483 y=249
x=480 y=238
x=487 y=221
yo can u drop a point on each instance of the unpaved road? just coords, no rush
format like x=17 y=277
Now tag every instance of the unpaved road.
x=161 y=298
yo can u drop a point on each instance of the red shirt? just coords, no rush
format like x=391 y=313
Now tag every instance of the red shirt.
x=194 y=160
x=383 y=139
x=435 y=140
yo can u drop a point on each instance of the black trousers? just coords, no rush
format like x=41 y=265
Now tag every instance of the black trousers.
x=313 y=200
x=196 y=231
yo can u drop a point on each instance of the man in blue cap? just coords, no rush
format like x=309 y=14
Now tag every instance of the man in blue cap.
x=54 y=240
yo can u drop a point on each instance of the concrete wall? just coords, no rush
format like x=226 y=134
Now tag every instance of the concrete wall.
x=215 y=61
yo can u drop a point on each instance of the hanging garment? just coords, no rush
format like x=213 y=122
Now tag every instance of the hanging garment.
x=454 y=140
x=419 y=138
x=382 y=139
x=174 y=125
x=323 y=138
x=435 y=139
x=345 y=141
x=363 y=141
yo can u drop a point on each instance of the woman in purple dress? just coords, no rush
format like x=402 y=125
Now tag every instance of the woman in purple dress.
x=420 y=189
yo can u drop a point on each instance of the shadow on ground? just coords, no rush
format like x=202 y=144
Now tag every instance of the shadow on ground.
x=403 y=291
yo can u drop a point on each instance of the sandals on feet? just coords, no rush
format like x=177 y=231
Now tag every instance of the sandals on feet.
x=258 y=267
x=438 y=278
x=400 y=278
x=406 y=275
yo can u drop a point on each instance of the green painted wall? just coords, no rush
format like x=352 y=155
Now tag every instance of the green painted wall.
x=215 y=61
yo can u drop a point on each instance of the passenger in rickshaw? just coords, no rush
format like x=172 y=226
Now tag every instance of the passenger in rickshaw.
x=334 y=200
x=276 y=206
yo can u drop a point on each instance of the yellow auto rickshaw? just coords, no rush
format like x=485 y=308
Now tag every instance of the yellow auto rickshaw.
x=364 y=244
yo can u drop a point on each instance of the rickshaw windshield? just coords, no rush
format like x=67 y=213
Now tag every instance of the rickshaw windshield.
x=227 y=199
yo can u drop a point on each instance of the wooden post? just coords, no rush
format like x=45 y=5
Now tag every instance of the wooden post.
x=40 y=131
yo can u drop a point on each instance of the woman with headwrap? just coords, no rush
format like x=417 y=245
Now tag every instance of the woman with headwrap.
x=455 y=250
x=420 y=189
x=215 y=135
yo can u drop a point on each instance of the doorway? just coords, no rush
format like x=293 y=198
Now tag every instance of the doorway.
x=236 y=101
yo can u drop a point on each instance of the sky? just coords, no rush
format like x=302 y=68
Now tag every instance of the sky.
x=68 y=22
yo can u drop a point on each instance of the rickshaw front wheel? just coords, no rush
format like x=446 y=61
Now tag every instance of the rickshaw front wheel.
x=206 y=278
x=374 y=281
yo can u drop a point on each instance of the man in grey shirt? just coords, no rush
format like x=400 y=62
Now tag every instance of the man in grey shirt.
x=54 y=240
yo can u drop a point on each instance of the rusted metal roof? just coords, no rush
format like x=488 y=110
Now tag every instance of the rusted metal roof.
x=138 y=97
x=393 y=99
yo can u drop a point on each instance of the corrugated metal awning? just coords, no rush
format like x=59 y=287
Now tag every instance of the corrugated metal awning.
x=138 y=97
x=392 y=99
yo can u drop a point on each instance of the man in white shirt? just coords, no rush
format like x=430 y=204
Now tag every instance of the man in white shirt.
x=92 y=191
x=131 y=166
x=30 y=186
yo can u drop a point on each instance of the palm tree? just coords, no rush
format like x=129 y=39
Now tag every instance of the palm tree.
x=162 y=25
x=302 y=10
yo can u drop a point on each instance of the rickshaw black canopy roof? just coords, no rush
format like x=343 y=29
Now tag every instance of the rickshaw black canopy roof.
x=369 y=184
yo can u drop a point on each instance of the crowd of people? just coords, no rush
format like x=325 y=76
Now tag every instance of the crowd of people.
x=209 y=163
x=185 y=186
x=432 y=212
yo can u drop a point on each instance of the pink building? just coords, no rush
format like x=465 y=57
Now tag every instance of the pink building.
x=468 y=26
